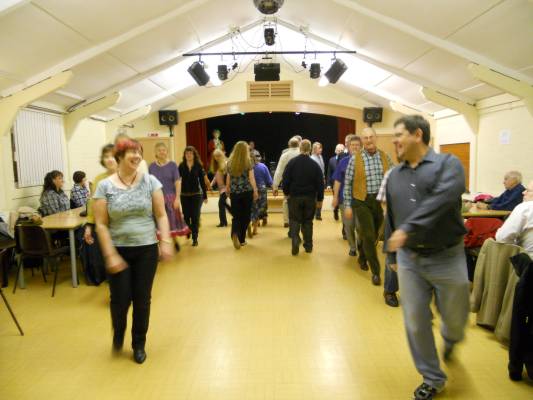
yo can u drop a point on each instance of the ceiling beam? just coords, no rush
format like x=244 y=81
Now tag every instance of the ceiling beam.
x=9 y=106
x=73 y=118
x=170 y=63
x=434 y=41
x=389 y=68
x=103 y=47
x=408 y=110
x=469 y=112
x=6 y=6
x=493 y=78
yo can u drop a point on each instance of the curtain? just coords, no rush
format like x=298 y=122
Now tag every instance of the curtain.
x=345 y=127
x=38 y=146
x=197 y=137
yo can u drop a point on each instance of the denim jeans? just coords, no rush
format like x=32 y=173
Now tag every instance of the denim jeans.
x=391 y=280
x=443 y=275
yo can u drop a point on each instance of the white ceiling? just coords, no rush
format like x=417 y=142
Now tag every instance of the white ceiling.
x=135 y=46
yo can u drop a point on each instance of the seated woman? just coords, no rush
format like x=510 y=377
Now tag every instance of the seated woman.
x=79 y=195
x=53 y=198
x=518 y=228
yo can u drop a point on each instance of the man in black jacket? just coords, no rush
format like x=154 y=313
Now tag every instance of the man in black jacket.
x=303 y=183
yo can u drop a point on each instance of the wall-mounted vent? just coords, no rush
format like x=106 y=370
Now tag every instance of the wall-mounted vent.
x=269 y=90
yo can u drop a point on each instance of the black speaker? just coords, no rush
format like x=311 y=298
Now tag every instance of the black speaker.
x=168 y=117
x=266 y=72
x=372 y=114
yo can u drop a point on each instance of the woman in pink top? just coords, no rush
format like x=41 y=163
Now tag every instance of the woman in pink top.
x=219 y=166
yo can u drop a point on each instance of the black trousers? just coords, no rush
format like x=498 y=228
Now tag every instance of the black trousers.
x=133 y=285
x=222 y=208
x=192 y=205
x=241 y=208
x=370 y=217
x=301 y=214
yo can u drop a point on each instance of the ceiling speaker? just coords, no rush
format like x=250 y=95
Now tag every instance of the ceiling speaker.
x=266 y=72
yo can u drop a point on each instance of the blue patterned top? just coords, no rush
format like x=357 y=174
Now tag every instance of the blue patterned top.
x=239 y=184
x=131 y=219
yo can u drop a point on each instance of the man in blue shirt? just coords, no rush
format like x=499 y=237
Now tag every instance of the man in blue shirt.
x=512 y=196
x=348 y=224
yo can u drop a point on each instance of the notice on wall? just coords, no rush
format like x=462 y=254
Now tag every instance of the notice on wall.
x=505 y=136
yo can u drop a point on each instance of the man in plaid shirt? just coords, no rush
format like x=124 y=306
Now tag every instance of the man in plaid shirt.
x=361 y=184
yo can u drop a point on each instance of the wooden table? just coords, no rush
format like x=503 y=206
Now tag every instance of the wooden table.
x=67 y=220
x=486 y=214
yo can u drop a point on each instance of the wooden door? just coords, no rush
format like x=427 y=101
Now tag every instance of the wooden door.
x=148 y=144
x=462 y=152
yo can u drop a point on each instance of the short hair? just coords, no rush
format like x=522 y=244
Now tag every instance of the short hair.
x=414 y=122
x=316 y=144
x=514 y=174
x=124 y=145
x=78 y=176
x=305 y=146
x=160 y=144
x=339 y=147
x=293 y=142
x=355 y=138
x=108 y=148
x=299 y=137
x=369 y=129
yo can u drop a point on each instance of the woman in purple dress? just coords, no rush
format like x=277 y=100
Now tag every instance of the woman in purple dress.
x=167 y=173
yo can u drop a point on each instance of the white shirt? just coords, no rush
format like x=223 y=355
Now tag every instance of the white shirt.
x=286 y=156
x=518 y=227
x=319 y=160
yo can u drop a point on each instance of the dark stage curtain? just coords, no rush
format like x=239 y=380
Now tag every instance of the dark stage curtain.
x=345 y=127
x=197 y=137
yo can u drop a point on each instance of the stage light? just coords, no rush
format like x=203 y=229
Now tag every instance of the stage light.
x=304 y=64
x=198 y=73
x=268 y=6
x=222 y=72
x=336 y=70
x=314 y=71
x=235 y=66
x=270 y=36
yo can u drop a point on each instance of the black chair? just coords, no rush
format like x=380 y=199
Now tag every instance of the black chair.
x=5 y=253
x=35 y=242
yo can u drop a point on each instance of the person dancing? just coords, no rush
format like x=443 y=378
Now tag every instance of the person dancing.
x=219 y=166
x=263 y=180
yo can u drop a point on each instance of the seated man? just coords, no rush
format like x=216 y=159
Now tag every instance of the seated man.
x=512 y=196
x=518 y=228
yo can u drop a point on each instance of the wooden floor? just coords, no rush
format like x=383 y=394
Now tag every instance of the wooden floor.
x=256 y=323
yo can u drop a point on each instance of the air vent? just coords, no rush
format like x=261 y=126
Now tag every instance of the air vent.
x=269 y=90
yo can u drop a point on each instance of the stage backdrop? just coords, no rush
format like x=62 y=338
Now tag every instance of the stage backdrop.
x=272 y=131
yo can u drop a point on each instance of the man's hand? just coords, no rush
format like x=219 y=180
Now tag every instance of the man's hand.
x=334 y=202
x=394 y=267
x=275 y=192
x=348 y=213
x=396 y=241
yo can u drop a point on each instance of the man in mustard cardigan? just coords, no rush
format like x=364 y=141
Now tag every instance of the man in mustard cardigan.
x=361 y=185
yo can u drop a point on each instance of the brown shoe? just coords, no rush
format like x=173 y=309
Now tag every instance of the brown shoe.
x=376 y=280
x=391 y=299
x=255 y=224
x=236 y=242
x=249 y=230
x=265 y=221
x=363 y=265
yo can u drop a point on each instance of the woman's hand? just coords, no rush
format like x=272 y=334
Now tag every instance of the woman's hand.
x=205 y=201
x=115 y=264
x=166 y=250
x=88 y=235
x=256 y=195
x=177 y=204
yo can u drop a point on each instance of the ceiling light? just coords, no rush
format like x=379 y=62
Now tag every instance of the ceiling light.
x=314 y=71
x=336 y=70
x=268 y=6
x=270 y=36
x=304 y=64
x=198 y=73
x=235 y=66
x=323 y=81
x=222 y=72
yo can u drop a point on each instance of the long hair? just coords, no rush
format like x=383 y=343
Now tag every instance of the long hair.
x=219 y=165
x=239 y=159
x=49 y=181
x=195 y=154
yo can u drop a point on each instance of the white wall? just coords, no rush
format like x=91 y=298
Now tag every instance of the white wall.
x=489 y=159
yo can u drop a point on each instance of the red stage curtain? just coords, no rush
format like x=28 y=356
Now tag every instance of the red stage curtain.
x=197 y=137
x=345 y=127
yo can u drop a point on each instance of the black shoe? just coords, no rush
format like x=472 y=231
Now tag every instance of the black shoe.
x=425 y=392
x=344 y=236
x=177 y=247
x=376 y=280
x=221 y=225
x=285 y=225
x=363 y=265
x=295 y=246
x=318 y=218
x=195 y=242
x=391 y=299
x=352 y=253
x=118 y=342
x=336 y=215
x=139 y=355
x=188 y=235
x=308 y=249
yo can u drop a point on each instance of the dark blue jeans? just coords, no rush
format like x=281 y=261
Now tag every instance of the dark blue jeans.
x=391 y=280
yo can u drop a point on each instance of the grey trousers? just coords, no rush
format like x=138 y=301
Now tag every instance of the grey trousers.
x=285 y=210
x=444 y=275
x=350 y=226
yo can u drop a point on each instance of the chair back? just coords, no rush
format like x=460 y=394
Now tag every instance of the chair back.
x=33 y=240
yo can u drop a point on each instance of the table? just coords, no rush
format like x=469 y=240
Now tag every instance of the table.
x=67 y=220
x=486 y=214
